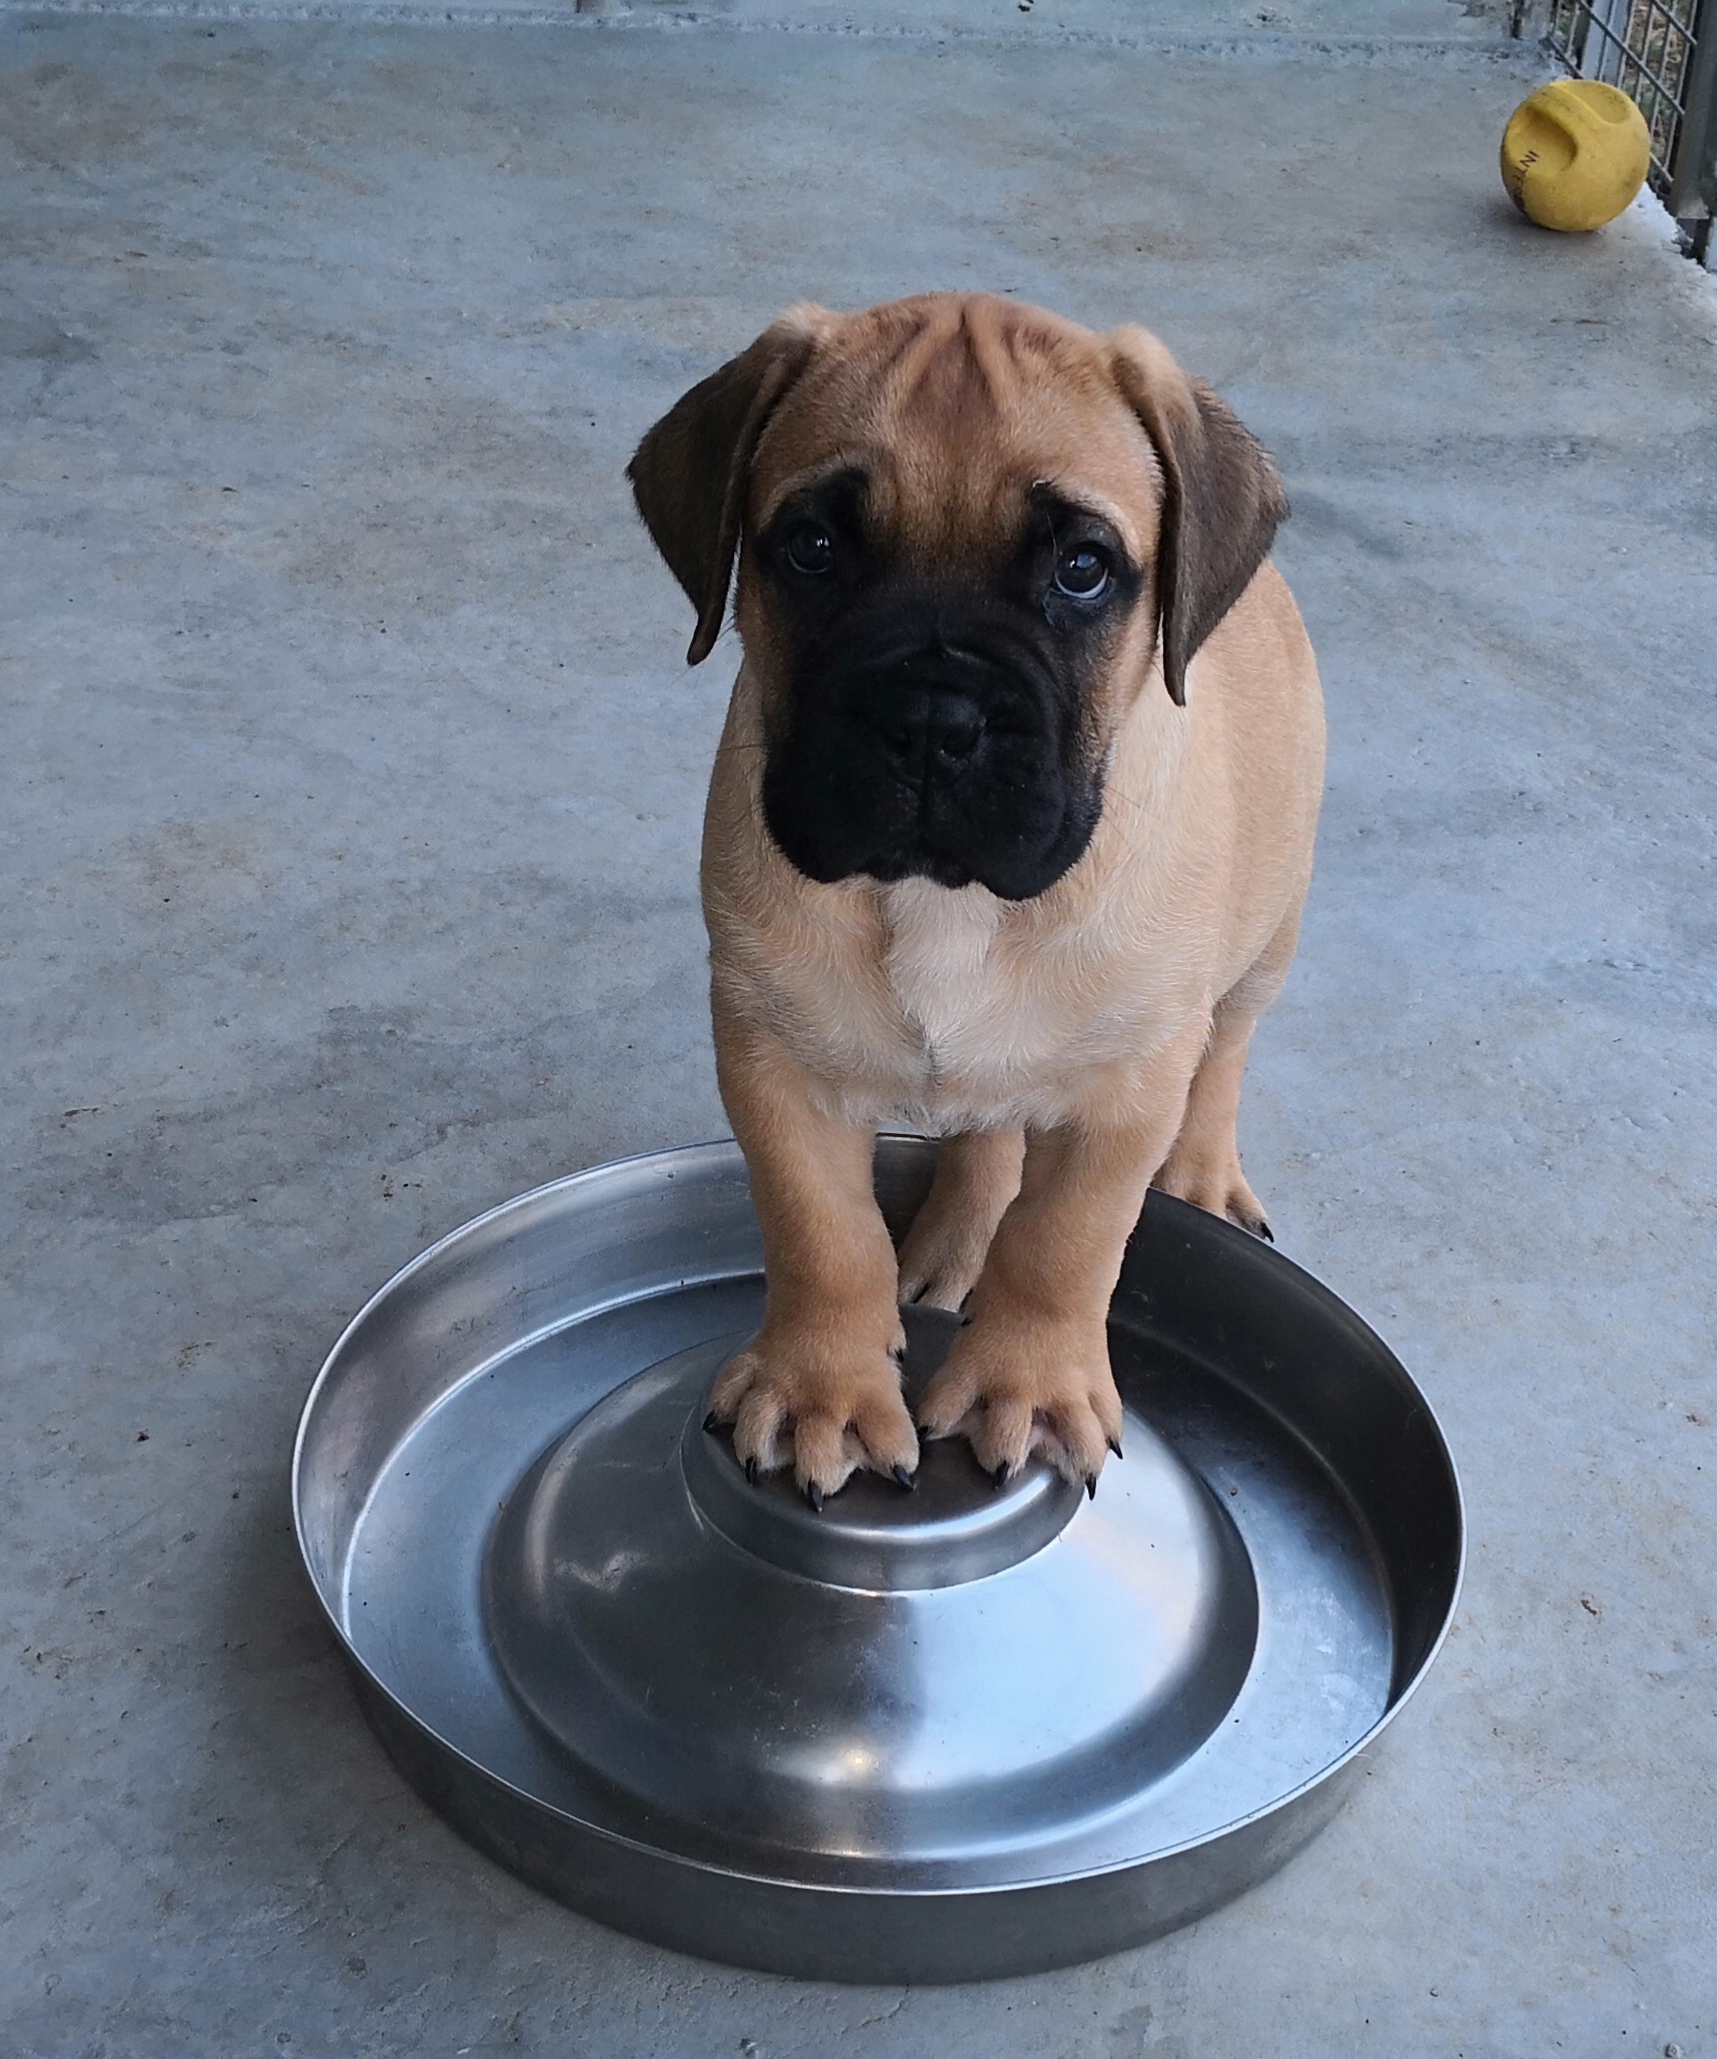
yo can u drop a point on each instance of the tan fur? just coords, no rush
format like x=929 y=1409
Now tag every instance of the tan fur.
x=1106 y=1020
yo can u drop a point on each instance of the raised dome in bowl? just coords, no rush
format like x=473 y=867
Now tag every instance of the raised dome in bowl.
x=906 y=1676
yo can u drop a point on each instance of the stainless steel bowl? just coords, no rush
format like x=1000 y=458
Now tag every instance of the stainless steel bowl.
x=941 y=1735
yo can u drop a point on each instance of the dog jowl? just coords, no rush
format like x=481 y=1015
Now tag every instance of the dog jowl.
x=936 y=721
x=1007 y=836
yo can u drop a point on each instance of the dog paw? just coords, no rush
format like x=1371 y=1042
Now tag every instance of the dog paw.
x=1220 y=1190
x=819 y=1403
x=977 y=1175
x=1014 y=1387
x=940 y=1268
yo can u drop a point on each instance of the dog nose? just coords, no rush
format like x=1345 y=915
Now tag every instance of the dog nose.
x=939 y=730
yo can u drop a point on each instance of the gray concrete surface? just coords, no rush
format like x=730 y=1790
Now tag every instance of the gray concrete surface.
x=352 y=783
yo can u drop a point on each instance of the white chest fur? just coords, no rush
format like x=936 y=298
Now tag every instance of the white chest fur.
x=999 y=1016
x=939 y=961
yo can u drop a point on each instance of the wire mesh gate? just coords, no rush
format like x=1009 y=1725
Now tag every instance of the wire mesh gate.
x=1663 y=55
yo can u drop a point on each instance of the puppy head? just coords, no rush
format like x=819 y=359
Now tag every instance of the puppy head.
x=965 y=531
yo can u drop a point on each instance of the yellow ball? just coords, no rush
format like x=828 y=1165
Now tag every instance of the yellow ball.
x=1574 y=154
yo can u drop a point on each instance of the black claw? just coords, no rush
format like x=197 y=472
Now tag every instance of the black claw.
x=1265 y=1231
x=814 y=1495
x=1002 y=1474
x=751 y=1471
x=1090 y=1486
x=904 y=1479
x=712 y=1423
x=1114 y=1444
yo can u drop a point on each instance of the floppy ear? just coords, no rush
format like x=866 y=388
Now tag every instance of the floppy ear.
x=1222 y=498
x=689 y=474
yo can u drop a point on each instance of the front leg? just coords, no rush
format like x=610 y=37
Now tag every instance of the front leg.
x=1031 y=1370
x=819 y=1386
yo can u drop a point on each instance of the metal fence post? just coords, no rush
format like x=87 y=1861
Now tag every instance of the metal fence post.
x=1603 y=40
x=1693 y=179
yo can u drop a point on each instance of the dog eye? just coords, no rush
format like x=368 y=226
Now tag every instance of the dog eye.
x=810 y=549
x=1082 y=572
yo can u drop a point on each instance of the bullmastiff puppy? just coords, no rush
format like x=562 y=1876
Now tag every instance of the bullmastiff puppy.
x=1007 y=840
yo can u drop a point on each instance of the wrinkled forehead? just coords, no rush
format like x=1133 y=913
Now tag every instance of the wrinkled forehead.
x=955 y=420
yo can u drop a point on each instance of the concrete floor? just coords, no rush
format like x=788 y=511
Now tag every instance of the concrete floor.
x=353 y=780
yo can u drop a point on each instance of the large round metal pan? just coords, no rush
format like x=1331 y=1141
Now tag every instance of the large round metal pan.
x=512 y=1531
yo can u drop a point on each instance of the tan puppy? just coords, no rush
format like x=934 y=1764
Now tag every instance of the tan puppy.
x=1008 y=837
